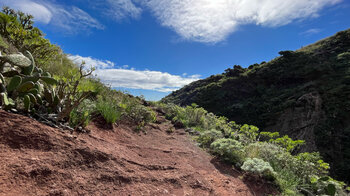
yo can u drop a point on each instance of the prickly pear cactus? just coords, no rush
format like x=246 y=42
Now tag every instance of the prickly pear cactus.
x=17 y=60
x=29 y=70
x=14 y=83
x=26 y=84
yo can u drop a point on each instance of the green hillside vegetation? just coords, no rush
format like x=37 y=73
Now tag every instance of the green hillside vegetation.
x=303 y=93
x=39 y=80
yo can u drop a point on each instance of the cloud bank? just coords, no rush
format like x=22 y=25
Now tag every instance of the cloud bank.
x=212 y=21
x=115 y=76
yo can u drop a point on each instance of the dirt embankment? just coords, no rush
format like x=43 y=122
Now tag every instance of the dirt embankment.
x=39 y=160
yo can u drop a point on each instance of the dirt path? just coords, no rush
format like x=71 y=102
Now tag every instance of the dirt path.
x=39 y=160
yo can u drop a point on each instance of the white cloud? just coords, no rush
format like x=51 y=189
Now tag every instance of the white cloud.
x=69 y=19
x=40 y=12
x=117 y=10
x=115 y=76
x=92 y=62
x=212 y=21
x=120 y=9
x=72 y=18
x=149 y=80
x=311 y=31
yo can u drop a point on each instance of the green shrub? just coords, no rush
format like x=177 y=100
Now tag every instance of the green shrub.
x=81 y=116
x=326 y=186
x=231 y=150
x=208 y=137
x=259 y=167
x=73 y=89
x=313 y=161
x=247 y=134
x=287 y=143
x=142 y=114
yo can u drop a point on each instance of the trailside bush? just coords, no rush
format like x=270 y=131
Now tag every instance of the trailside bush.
x=231 y=150
x=81 y=116
x=207 y=137
x=247 y=134
x=142 y=114
x=259 y=167
x=326 y=186
x=109 y=110
x=190 y=116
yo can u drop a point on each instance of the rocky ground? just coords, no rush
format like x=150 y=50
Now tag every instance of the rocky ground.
x=36 y=159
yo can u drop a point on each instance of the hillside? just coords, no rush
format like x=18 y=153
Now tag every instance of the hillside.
x=304 y=94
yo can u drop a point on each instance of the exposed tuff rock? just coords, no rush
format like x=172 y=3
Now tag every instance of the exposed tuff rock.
x=300 y=121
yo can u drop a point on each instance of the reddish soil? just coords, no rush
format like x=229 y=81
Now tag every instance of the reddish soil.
x=39 y=160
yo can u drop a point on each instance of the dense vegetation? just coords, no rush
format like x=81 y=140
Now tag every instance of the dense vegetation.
x=304 y=94
x=38 y=79
x=261 y=154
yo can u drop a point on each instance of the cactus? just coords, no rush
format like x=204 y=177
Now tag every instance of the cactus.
x=48 y=80
x=40 y=71
x=26 y=101
x=48 y=96
x=26 y=82
x=29 y=70
x=17 y=60
x=33 y=91
x=14 y=83
x=31 y=78
x=39 y=100
x=11 y=73
x=47 y=74
x=32 y=98
x=24 y=87
x=39 y=87
x=52 y=98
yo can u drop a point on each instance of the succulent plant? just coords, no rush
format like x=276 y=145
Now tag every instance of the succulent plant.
x=26 y=82
x=17 y=60
x=29 y=69
x=14 y=83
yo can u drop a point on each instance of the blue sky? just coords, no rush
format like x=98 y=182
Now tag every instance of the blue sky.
x=152 y=47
